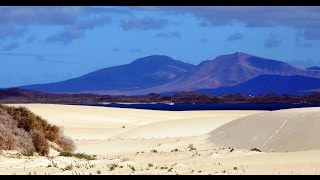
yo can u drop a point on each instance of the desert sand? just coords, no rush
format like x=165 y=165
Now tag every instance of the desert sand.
x=279 y=131
x=130 y=141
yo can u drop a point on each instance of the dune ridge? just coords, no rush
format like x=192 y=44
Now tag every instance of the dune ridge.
x=280 y=131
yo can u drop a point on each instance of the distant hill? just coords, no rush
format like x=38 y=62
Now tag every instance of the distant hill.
x=162 y=74
x=265 y=84
x=20 y=96
x=317 y=68
x=15 y=92
x=142 y=73
x=229 y=70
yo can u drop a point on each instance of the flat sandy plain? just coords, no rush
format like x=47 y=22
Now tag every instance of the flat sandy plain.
x=131 y=141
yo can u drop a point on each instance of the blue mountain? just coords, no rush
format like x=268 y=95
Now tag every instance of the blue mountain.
x=230 y=70
x=265 y=84
x=142 y=73
x=161 y=74
x=316 y=68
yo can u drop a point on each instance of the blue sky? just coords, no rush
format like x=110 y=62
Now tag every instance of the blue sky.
x=49 y=44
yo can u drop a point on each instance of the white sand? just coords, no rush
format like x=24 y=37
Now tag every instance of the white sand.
x=101 y=123
x=98 y=130
x=280 y=131
x=194 y=125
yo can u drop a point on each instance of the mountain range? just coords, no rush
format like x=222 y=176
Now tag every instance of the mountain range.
x=233 y=73
x=316 y=68
x=265 y=84
x=140 y=74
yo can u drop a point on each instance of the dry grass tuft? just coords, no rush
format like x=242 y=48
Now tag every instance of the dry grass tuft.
x=255 y=149
x=79 y=155
x=22 y=130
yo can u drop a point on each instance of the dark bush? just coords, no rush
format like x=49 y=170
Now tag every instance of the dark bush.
x=255 y=149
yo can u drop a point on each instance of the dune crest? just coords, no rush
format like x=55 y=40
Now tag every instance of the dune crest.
x=279 y=131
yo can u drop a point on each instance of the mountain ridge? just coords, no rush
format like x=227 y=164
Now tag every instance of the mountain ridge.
x=317 y=68
x=228 y=70
x=160 y=74
x=297 y=85
x=134 y=75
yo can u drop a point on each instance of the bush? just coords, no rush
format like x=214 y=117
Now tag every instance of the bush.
x=68 y=168
x=113 y=167
x=191 y=147
x=154 y=151
x=66 y=143
x=40 y=143
x=175 y=150
x=28 y=152
x=11 y=137
x=255 y=149
x=78 y=155
x=132 y=167
x=22 y=130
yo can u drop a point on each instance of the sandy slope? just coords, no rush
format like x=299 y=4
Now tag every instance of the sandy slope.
x=206 y=159
x=99 y=131
x=283 y=130
x=184 y=127
x=83 y=122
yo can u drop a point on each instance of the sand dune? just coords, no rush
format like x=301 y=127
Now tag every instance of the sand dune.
x=101 y=123
x=180 y=127
x=98 y=130
x=280 y=131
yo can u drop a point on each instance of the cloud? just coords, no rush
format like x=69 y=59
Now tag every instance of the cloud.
x=204 y=40
x=272 y=42
x=301 y=40
x=11 y=46
x=41 y=58
x=145 y=23
x=303 y=17
x=132 y=50
x=109 y=10
x=11 y=31
x=311 y=34
x=39 y=15
x=168 y=35
x=30 y=39
x=304 y=44
x=51 y=15
x=304 y=62
x=66 y=36
x=72 y=32
x=234 y=37
x=135 y=50
x=15 y=20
